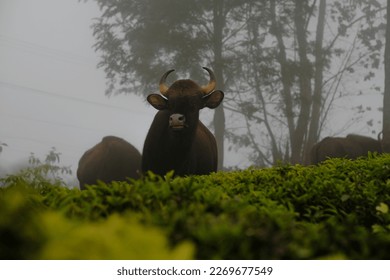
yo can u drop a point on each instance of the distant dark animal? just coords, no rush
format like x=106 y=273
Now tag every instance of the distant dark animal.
x=113 y=159
x=177 y=140
x=352 y=147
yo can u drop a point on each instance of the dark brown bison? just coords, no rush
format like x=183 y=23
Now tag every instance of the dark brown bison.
x=113 y=159
x=352 y=147
x=177 y=140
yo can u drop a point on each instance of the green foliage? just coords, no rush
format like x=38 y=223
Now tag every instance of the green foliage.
x=117 y=237
x=30 y=230
x=20 y=233
x=40 y=173
x=339 y=209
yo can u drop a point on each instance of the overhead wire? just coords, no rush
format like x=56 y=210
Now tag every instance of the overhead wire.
x=72 y=98
x=46 y=51
x=50 y=53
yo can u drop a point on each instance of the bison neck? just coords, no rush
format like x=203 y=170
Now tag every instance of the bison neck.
x=166 y=150
x=178 y=153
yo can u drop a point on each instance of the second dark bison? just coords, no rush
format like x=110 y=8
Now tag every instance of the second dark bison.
x=113 y=159
x=352 y=146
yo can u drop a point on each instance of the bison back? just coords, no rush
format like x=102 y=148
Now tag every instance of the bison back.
x=352 y=146
x=329 y=147
x=113 y=159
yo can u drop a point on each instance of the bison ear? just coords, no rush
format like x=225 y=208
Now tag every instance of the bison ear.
x=157 y=101
x=213 y=99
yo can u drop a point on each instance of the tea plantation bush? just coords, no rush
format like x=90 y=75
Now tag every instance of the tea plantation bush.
x=339 y=209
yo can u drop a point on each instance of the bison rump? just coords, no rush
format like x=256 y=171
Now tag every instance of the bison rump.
x=113 y=159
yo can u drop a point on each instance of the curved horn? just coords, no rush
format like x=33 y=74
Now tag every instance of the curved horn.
x=163 y=86
x=212 y=83
x=380 y=136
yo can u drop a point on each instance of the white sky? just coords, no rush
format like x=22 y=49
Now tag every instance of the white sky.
x=51 y=93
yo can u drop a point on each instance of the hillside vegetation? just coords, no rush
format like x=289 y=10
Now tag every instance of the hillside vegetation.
x=337 y=210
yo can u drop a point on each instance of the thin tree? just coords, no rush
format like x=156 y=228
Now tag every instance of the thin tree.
x=313 y=132
x=386 y=96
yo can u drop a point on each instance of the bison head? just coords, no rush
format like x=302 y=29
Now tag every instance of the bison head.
x=184 y=98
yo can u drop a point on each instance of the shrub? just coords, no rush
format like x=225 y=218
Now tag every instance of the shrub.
x=339 y=209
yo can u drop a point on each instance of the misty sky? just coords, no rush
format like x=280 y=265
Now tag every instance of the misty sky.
x=51 y=93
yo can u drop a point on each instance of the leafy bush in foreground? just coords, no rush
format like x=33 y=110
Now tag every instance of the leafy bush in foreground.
x=338 y=209
x=29 y=230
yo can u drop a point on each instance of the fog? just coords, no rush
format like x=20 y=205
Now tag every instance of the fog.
x=53 y=95
x=51 y=92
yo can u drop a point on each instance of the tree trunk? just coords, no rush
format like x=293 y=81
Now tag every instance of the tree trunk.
x=304 y=75
x=219 y=114
x=253 y=50
x=318 y=80
x=386 y=97
x=284 y=71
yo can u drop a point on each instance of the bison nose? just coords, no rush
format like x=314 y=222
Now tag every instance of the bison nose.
x=177 y=121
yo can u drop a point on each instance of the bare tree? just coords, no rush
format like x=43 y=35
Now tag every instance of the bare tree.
x=386 y=97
